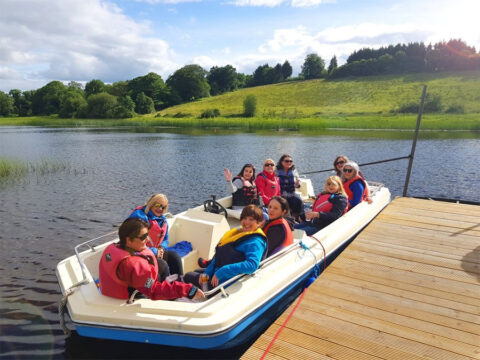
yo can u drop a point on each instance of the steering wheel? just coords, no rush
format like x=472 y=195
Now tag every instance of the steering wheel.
x=214 y=207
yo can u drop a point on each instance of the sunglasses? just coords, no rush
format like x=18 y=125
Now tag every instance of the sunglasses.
x=288 y=161
x=269 y=165
x=143 y=237
x=340 y=162
x=160 y=206
x=347 y=170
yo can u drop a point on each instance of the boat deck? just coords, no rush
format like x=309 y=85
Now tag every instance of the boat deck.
x=408 y=287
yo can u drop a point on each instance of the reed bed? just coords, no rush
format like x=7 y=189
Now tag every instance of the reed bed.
x=14 y=169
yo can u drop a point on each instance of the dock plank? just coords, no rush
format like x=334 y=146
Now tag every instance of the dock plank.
x=408 y=287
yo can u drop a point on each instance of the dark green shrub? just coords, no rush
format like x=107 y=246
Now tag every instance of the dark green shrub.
x=433 y=104
x=455 y=109
x=250 y=106
x=210 y=113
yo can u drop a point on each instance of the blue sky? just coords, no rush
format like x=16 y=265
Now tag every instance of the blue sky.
x=81 y=40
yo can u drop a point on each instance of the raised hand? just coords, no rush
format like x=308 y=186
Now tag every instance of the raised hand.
x=228 y=174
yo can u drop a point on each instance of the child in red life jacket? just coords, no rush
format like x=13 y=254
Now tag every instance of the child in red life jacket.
x=130 y=265
x=328 y=207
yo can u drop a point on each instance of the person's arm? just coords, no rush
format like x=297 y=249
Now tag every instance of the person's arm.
x=296 y=178
x=253 y=250
x=137 y=273
x=260 y=181
x=357 y=190
x=165 y=239
x=233 y=186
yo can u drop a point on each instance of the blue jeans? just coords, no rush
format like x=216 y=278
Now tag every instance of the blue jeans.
x=307 y=227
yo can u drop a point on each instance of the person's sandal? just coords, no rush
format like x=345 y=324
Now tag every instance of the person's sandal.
x=203 y=263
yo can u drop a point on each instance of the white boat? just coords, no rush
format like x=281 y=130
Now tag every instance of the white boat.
x=234 y=310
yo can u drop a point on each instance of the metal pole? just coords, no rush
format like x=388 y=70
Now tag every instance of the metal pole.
x=414 y=143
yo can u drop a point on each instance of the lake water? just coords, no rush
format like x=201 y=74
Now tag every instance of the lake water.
x=110 y=172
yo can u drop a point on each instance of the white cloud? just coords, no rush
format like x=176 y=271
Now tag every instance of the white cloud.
x=76 y=40
x=268 y=3
x=273 y=3
x=167 y=1
x=309 y=3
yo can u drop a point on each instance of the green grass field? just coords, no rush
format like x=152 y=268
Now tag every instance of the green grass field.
x=354 y=103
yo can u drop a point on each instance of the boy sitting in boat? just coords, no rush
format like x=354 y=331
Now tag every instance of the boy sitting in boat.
x=130 y=265
x=239 y=251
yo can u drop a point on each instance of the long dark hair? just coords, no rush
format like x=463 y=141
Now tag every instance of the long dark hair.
x=279 y=164
x=240 y=174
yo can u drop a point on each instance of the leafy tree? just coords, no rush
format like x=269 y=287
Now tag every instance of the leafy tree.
x=222 y=79
x=250 y=106
x=277 y=74
x=261 y=75
x=6 y=104
x=125 y=107
x=75 y=85
x=313 y=67
x=189 y=83
x=47 y=99
x=94 y=87
x=101 y=106
x=152 y=85
x=241 y=80
x=144 y=104
x=119 y=89
x=333 y=65
x=286 y=70
x=72 y=101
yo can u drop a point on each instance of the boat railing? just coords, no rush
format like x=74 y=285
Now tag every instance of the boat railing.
x=88 y=244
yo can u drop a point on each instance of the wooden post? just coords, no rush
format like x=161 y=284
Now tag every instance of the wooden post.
x=414 y=143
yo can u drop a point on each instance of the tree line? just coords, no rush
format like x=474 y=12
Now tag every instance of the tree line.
x=149 y=93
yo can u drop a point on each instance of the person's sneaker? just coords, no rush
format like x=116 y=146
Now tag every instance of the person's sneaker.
x=203 y=263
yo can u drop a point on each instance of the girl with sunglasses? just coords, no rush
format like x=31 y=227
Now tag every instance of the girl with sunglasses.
x=154 y=212
x=268 y=184
x=354 y=184
x=338 y=164
x=243 y=187
x=328 y=207
x=130 y=265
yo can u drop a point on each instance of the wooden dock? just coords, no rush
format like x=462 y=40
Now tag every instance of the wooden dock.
x=408 y=287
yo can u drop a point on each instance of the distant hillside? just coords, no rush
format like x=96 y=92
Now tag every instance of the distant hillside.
x=364 y=95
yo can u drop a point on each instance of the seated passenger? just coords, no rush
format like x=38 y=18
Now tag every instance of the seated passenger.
x=239 y=251
x=355 y=186
x=130 y=265
x=243 y=187
x=328 y=207
x=153 y=212
x=268 y=184
x=289 y=181
x=277 y=229
x=339 y=163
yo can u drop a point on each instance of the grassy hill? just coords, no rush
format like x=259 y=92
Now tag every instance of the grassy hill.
x=354 y=103
x=373 y=94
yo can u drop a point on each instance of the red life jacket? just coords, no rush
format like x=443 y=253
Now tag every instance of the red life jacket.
x=156 y=233
x=271 y=186
x=322 y=204
x=288 y=230
x=246 y=195
x=110 y=284
x=346 y=186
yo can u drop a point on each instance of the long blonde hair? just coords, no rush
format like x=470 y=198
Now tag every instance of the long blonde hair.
x=335 y=179
x=154 y=199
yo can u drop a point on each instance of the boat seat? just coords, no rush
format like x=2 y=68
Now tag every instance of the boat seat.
x=202 y=229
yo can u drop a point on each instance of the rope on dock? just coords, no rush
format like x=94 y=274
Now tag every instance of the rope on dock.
x=283 y=325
